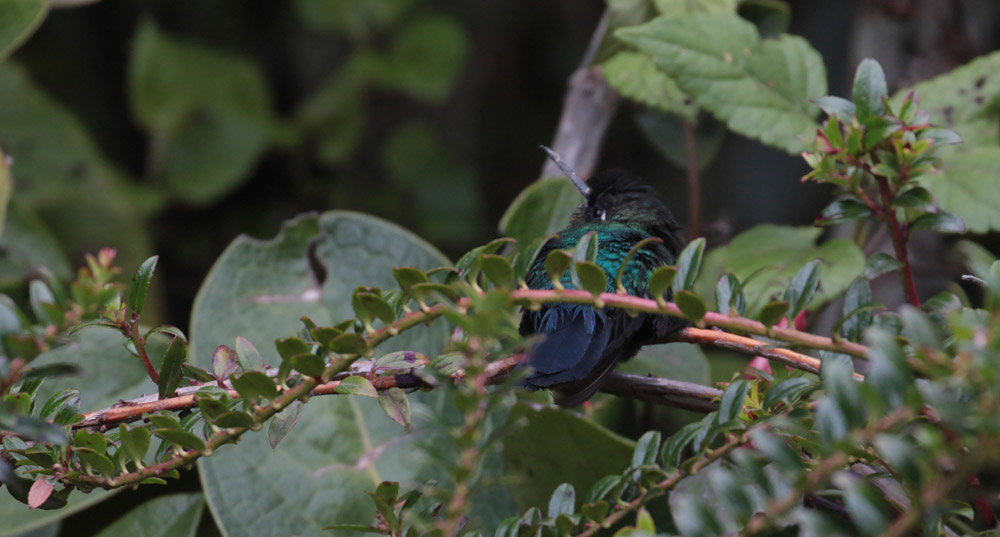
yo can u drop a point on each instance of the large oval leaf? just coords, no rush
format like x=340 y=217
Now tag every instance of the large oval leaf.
x=18 y=20
x=342 y=445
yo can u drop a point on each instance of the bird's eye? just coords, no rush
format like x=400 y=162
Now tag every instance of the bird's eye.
x=598 y=213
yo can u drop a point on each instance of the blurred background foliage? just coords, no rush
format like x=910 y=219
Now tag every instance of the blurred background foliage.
x=172 y=126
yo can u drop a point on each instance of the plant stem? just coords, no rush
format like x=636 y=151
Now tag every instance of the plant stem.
x=140 y=348
x=693 y=179
x=900 y=234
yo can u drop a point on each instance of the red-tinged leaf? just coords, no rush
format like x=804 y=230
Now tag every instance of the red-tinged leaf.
x=40 y=491
x=396 y=405
x=224 y=362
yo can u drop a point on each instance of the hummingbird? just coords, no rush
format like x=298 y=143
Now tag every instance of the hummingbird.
x=581 y=345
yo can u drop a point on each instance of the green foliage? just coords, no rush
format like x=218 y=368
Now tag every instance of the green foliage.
x=330 y=333
x=198 y=102
x=20 y=18
x=759 y=87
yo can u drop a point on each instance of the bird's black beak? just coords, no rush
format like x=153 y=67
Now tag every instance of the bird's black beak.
x=579 y=183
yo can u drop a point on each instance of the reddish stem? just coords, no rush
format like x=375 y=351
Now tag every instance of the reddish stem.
x=900 y=234
x=140 y=348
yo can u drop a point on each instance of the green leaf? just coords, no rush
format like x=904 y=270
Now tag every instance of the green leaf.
x=563 y=501
x=96 y=461
x=966 y=187
x=877 y=130
x=732 y=401
x=803 y=286
x=842 y=210
x=59 y=178
x=636 y=77
x=349 y=344
x=526 y=257
x=889 y=373
x=857 y=319
x=592 y=277
x=248 y=355
x=729 y=296
x=233 y=419
x=541 y=209
x=915 y=198
x=140 y=285
x=253 y=384
x=290 y=346
x=396 y=405
x=355 y=385
x=174 y=515
x=377 y=306
x=199 y=102
x=864 y=503
x=773 y=255
x=787 y=391
x=135 y=442
x=660 y=281
x=691 y=305
x=424 y=59
x=673 y=8
x=674 y=447
x=181 y=438
x=556 y=263
x=880 y=263
x=777 y=450
x=408 y=276
x=647 y=448
x=961 y=97
x=18 y=20
x=940 y=136
x=557 y=446
x=388 y=491
x=283 y=422
x=771 y=313
x=869 y=89
x=836 y=106
x=308 y=364
x=944 y=222
x=759 y=88
x=497 y=269
x=689 y=264
x=243 y=295
x=171 y=373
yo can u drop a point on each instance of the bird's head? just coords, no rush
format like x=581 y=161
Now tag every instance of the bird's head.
x=618 y=196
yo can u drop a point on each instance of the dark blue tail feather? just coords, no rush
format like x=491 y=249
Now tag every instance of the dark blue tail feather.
x=575 y=339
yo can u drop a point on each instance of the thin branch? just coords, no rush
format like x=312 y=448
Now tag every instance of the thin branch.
x=662 y=391
x=693 y=179
x=646 y=305
x=140 y=347
x=674 y=393
x=753 y=347
x=588 y=107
